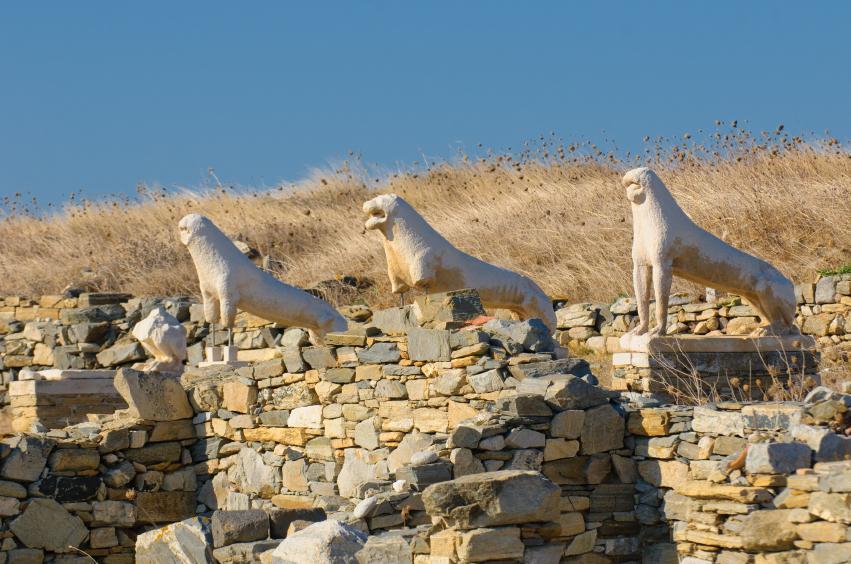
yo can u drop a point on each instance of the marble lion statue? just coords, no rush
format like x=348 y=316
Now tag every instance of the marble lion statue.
x=229 y=280
x=667 y=242
x=164 y=339
x=419 y=257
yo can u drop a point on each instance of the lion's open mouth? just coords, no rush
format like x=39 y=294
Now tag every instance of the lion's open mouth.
x=377 y=216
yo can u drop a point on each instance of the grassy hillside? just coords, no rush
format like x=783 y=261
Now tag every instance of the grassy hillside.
x=556 y=213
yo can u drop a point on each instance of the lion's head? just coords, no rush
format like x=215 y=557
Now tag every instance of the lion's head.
x=381 y=210
x=637 y=181
x=191 y=225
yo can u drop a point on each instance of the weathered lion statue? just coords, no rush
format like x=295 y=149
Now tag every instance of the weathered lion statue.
x=163 y=338
x=667 y=242
x=229 y=280
x=419 y=257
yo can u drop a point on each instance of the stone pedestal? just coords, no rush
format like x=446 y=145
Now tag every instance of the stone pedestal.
x=693 y=368
x=221 y=355
x=57 y=398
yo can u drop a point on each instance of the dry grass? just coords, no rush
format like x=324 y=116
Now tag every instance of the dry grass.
x=556 y=213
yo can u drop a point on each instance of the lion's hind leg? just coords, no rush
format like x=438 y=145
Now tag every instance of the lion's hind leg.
x=776 y=317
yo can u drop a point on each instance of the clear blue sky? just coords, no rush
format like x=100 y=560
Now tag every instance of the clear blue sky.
x=100 y=96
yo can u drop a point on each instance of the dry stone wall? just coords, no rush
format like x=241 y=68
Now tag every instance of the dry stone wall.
x=92 y=331
x=432 y=441
x=824 y=311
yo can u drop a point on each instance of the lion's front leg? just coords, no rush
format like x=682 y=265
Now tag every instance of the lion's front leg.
x=227 y=305
x=641 y=280
x=662 y=278
x=211 y=306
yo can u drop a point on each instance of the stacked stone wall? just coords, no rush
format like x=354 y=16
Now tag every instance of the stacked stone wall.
x=384 y=423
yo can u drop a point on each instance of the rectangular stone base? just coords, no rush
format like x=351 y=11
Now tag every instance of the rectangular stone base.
x=58 y=398
x=724 y=368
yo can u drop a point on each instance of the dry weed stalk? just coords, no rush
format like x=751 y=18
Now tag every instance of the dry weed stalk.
x=683 y=383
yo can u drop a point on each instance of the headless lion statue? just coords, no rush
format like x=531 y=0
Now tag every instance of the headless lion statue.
x=419 y=257
x=229 y=280
x=667 y=242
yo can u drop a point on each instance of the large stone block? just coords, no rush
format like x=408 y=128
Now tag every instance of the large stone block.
x=777 y=458
x=456 y=305
x=27 y=459
x=571 y=392
x=164 y=507
x=177 y=543
x=487 y=544
x=494 y=498
x=429 y=345
x=326 y=542
x=46 y=524
x=239 y=526
x=768 y=530
x=280 y=519
x=151 y=395
x=238 y=396
x=602 y=430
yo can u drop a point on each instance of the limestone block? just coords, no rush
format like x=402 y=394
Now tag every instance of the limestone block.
x=826 y=289
x=457 y=412
x=429 y=345
x=46 y=524
x=165 y=507
x=252 y=475
x=230 y=527
x=568 y=424
x=833 y=507
x=768 y=530
x=366 y=433
x=121 y=353
x=325 y=542
x=525 y=438
x=177 y=543
x=560 y=448
x=708 y=420
x=495 y=498
x=571 y=392
x=154 y=396
x=379 y=353
x=489 y=544
x=663 y=473
x=777 y=458
x=238 y=396
x=386 y=547
x=486 y=382
x=308 y=417
x=602 y=430
x=431 y=420
x=412 y=443
x=27 y=459
x=74 y=459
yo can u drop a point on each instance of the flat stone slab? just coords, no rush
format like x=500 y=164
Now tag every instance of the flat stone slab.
x=54 y=374
x=718 y=344
x=91 y=386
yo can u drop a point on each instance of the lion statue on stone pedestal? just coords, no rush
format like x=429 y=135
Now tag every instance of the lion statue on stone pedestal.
x=229 y=280
x=419 y=257
x=667 y=242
